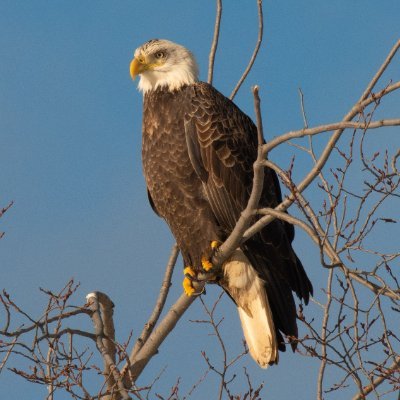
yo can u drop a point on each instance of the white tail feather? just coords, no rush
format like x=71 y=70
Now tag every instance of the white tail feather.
x=247 y=289
x=259 y=332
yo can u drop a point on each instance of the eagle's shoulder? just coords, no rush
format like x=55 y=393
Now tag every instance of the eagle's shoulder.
x=219 y=118
x=205 y=94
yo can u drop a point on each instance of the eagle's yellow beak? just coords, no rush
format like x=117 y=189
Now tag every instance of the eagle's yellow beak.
x=137 y=66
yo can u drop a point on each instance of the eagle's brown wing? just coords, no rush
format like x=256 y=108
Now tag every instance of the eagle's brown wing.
x=222 y=144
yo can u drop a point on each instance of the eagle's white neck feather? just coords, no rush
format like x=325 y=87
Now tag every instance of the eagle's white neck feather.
x=180 y=75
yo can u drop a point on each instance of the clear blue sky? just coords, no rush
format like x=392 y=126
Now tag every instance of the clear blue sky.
x=70 y=136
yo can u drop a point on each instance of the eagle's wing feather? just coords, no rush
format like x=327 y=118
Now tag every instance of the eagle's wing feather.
x=152 y=203
x=194 y=150
x=215 y=131
x=222 y=143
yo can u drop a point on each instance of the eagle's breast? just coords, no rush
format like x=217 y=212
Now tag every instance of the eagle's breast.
x=175 y=190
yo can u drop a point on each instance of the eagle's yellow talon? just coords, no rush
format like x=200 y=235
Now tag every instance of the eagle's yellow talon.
x=206 y=264
x=188 y=286
x=215 y=244
x=189 y=271
x=187 y=283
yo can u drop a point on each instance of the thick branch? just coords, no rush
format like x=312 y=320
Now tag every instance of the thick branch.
x=139 y=361
x=102 y=317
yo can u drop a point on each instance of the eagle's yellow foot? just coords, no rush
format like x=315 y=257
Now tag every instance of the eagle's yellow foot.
x=215 y=244
x=187 y=282
x=206 y=263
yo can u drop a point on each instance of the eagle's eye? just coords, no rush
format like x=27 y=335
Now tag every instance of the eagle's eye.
x=160 y=55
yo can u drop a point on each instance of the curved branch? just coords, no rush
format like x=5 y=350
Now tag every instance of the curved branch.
x=291 y=220
x=319 y=164
x=328 y=128
x=41 y=324
x=66 y=331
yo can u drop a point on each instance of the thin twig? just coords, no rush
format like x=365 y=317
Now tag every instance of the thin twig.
x=5 y=209
x=303 y=110
x=162 y=297
x=324 y=329
x=214 y=45
x=255 y=52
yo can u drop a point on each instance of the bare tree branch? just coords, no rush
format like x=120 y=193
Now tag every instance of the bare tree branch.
x=214 y=44
x=255 y=52
x=139 y=361
x=166 y=284
x=303 y=111
x=328 y=128
x=380 y=72
x=102 y=317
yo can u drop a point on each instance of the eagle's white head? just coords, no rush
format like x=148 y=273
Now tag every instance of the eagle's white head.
x=161 y=63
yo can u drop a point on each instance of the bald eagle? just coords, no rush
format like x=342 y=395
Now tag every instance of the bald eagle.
x=198 y=150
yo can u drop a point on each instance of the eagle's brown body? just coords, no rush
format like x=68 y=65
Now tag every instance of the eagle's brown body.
x=198 y=153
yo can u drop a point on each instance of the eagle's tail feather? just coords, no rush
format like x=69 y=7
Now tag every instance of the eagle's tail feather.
x=242 y=283
x=259 y=331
